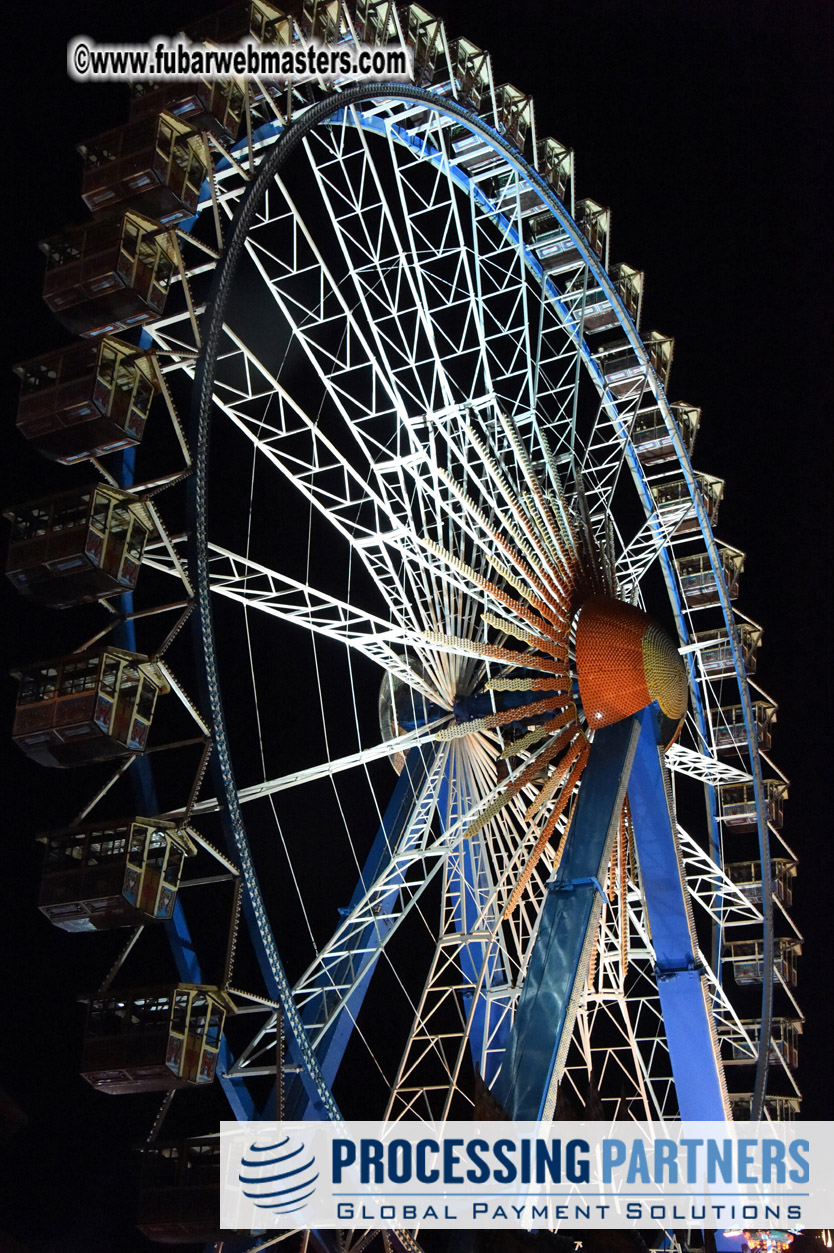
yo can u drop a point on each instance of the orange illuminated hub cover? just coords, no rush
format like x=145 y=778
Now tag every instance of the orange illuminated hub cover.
x=624 y=661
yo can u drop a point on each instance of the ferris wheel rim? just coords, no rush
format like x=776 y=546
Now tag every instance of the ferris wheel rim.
x=202 y=407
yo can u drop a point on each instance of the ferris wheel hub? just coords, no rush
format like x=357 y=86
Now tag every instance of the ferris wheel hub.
x=625 y=661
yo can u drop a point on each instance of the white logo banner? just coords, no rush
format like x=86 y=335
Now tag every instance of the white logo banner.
x=526 y=1175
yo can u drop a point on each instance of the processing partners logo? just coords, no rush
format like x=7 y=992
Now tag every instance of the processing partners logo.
x=524 y=1176
x=278 y=1174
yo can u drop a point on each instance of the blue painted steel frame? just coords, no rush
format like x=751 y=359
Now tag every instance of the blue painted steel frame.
x=468 y=889
x=558 y=967
x=625 y=755
x=687 y=1017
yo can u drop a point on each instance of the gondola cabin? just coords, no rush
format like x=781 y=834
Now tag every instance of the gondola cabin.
x=156 y=165
x=216 y=107
x=154 y=1040
x=555 y=248
x=180 y=1196
x=245 y=19
x=784 y=1042
x=747 y=957
x=730 y=729
x=555 y=164
x=87 y=400
x=738 y=803
x=715 y=650
x=113 y=875
x=426 y=36
x=110 y=275
x=80 y=546
x=596 y=312
x=654 y=442
x=86 y=707
x=629 y=284
x=776 y=1108
x=698 y=582
x=747 y=876
x=675 y=502
x=661 y=350
x=213 y=105
x=624 y=371
x=594 y=220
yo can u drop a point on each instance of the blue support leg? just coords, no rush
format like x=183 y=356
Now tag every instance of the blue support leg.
x=625 y=755
x=558 y=968
x=690 y=1033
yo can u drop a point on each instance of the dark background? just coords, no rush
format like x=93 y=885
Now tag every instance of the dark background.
x=706 y=126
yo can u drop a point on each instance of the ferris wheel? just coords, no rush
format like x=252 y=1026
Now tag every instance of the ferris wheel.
x=474 y=695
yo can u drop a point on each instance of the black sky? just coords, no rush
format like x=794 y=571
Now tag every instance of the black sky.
x=706 y=126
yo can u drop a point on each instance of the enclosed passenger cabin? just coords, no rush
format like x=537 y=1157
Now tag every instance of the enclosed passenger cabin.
x=180 y=1197
x=629 y=284
x=156 y=165
x=777 y=1108
x=555 y=164
x=107 y=276
x=265 y=24
x=716 y=653
x=478 y=158
x=552 y=244
x=730 y=731
x=426 y=36
x=661 y=350
x=652 y=439
x=86 y=707
x=747 y=876
x=79 y=546
x=326 y=20
x=555 y=247
x=784 y=1042
x=623 y=369
x=596 y=312
x=673 y=495
x=738 y=803
x=216 y=107
x=594 y=221
x=234 y=22
x=699 y=585
x=154 y=1040
x=747 y=959
x=471 y=73
x=87 y=400
x=376 y=22
x=113 y=875
x=513 y=197
x=514 y=114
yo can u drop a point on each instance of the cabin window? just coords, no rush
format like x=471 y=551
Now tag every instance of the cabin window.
x=38 y=685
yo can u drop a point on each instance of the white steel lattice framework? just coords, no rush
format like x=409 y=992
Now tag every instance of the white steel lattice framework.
x=414 y=359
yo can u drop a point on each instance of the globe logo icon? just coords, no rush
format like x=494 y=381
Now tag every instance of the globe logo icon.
x=278 y=1175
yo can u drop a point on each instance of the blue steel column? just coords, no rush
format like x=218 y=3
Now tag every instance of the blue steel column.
x=690 y=1033
x=622 y=756
x=558 y=968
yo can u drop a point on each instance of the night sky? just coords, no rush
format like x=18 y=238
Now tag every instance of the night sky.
x=706 y=128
